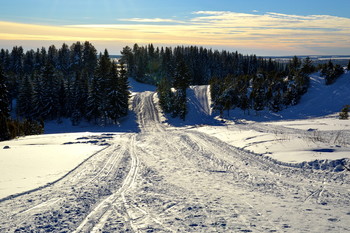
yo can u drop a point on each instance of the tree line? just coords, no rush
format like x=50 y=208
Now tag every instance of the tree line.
x=236 y=80
x=70 y=82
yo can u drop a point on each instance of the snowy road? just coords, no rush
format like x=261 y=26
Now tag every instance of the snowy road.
x=168 y=180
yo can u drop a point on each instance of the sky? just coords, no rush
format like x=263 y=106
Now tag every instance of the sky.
x=265 y=28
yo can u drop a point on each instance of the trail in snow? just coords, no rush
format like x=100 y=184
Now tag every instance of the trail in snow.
x=168 y=180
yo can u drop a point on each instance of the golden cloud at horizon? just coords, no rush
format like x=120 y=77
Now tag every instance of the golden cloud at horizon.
x=218 y=28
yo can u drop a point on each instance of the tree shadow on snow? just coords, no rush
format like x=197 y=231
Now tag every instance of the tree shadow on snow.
x=127 y=124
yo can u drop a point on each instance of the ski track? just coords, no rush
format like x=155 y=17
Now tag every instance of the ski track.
x=168 y=180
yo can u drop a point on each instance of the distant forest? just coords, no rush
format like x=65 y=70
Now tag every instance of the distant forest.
x=244 y=81
x=50 y=84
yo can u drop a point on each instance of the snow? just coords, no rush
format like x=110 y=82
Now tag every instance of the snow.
x=34 y=161
x=284 y=147
x=151 y=173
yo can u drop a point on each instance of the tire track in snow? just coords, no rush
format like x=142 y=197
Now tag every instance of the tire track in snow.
x=95 y=220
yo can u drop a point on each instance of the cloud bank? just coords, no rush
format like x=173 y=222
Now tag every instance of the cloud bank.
x=271 y=31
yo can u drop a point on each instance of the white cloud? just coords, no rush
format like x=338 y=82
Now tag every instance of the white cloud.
x=152 y=20
x=271 y=30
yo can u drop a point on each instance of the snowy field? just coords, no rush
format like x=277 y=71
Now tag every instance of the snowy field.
x=34 y=161
x=311 y=139
x=250 y=173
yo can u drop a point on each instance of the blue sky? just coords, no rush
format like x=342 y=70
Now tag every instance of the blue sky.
x=249 y=26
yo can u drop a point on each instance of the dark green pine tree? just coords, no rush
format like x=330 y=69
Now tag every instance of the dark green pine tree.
x=38 y=98
x=275 y=104
x=182 y=78
x=51 y=84
x=258 y=94
x=307 y=66
x=25 y=97
x=124 y=89
x=80 y=93
x=102 y=73
x=4 y=109
x=180 y=104
x=64 y=63
x=89 y=59
x=62 y=108
x=165 y=95
x=114 y=106
x=181 y=83
x=94 y=111
x=128 y=59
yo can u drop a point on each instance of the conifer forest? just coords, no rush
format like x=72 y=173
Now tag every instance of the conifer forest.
x=76 y=82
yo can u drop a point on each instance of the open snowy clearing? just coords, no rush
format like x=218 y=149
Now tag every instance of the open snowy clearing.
x=173 y=176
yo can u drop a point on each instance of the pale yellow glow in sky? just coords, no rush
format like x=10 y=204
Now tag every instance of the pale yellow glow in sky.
x=271 y=31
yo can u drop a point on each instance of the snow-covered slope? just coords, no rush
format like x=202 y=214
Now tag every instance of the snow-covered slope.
x=321 y=100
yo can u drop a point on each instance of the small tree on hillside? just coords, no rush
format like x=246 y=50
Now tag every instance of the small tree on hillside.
x=344 y=114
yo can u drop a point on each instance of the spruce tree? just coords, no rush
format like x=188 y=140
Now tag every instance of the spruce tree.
x=123 y=85
x=51 y=84
x=114 y=105
x=39 y=97
x=344 y=114
x=94 y=110
x=4 y=109
x=307 y=66
x=181 y=83
x=25 y=98
x=128 y=59
x=165 y=95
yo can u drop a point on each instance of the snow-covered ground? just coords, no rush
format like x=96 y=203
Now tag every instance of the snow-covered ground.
x=152 y=173
x=288 y=146
x=34 y=161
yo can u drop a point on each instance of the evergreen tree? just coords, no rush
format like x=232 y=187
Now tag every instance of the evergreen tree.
x=39 y=97
x=128 y=59
x=89 y=59
x=181 y=83
x=94 y=111
x=182 y=77
x=80 y=93
x=64 y=63
x=165 y=95
x=76 y=57
x=52 y=56
x=180 y=104
x=307 y=66
x=4 y=109
x=51 y=84
x=124 y=87
x=331 y=72
x=102 y=74
x=25 y=98
x=258 y=94
x=344 y=114
x=294 y=64
x=114 y=96
x=28 y=62
x=62 y=108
